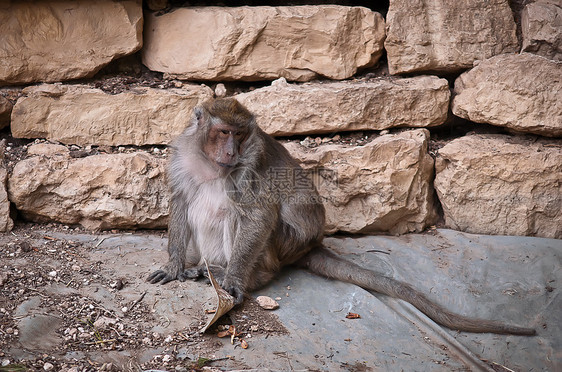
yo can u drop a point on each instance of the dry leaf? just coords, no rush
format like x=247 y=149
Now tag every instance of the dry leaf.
x=244 y=344
x=353 y=316
x=232 y=330
x=225 y=301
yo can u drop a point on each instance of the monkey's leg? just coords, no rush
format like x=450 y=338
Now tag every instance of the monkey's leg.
x=254 y=232
x=260 y=279
x=181 y=253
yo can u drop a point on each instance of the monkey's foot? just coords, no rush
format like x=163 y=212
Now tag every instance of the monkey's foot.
x=160 y=276
x=234 y=290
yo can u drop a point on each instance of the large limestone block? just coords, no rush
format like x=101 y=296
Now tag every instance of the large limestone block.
x=108 y=191
x=263 y=43
x=447 y=35
x=383 y=186
x=50 y=41
x=541 y=27
x=498 y=184
x=518 y=91
x=287 y=109
x=6 y=222
x=77 y=114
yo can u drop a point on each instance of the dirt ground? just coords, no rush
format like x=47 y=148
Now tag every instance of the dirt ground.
x=57 y=285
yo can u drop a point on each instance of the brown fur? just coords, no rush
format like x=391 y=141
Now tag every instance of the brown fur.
x=228 y=207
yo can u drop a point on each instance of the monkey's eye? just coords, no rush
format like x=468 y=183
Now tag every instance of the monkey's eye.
x=223 y=131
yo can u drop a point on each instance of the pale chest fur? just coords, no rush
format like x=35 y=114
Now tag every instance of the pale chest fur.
x=211 y=222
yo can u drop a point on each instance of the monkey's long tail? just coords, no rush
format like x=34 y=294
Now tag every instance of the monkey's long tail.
x=324 y=262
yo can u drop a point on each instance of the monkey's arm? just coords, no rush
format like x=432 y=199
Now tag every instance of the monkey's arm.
x=180 y=252
x=250 y=243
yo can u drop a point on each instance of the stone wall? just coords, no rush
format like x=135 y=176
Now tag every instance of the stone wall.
x=422 y=113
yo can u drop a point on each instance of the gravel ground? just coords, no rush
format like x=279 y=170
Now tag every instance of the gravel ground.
x=61 y=293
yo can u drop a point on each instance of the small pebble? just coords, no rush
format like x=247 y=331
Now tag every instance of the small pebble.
x=220 y=90
x=267 y=303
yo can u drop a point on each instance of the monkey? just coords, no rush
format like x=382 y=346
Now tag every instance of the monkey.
x=228 y=207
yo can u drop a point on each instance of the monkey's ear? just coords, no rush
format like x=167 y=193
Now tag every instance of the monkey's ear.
x=199 y=116
x=198 y=113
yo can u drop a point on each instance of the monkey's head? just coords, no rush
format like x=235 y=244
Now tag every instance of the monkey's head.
x=225 y=126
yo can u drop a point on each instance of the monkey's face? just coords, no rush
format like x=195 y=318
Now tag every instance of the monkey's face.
x=223 y=144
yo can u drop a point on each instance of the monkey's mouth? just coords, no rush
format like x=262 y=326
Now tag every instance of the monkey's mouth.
x=224 y=165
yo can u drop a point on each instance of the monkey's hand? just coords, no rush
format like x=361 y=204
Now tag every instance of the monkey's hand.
x=200 y=272
x=193 y=273
x=160 y=276
x=234 y=288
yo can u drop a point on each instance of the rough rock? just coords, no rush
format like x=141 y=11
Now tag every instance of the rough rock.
x=47 y=149
x=39 y=332
x=5 y=111
x=504 y=185
x=263 y=43
x=51 y=41
x=541 y=27
x=77 y=114
x=104 y=322
x=383 y=186
x=447 y=36
x=6 y=222
x=287 y=109
x=517 y=91
x=98 y=192
x=267 y=303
